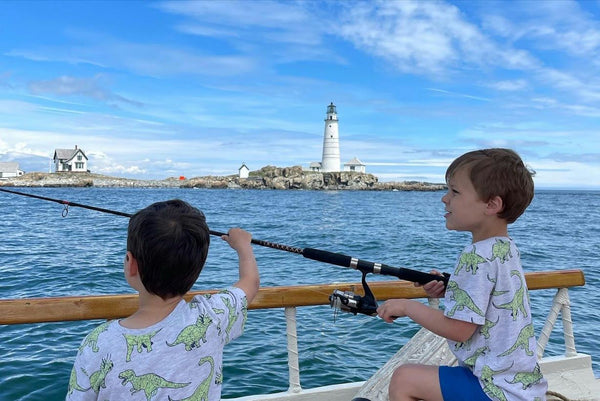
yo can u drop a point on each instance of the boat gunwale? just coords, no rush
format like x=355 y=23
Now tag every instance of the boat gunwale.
x=73 y=308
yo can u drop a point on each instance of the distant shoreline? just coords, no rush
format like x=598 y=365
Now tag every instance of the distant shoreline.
x=268 y=177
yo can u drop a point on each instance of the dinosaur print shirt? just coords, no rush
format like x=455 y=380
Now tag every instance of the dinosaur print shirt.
x=488 y=288
x=178 y=358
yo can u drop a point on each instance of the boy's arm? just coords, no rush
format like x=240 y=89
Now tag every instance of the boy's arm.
x=249 y=280
x=433 y=320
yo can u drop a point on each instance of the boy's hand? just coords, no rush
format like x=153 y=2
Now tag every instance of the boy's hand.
x=237 y=238
x=392 y=309
x=435 y=288
x=249 y=281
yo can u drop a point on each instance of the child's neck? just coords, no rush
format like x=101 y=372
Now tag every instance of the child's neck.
x=151 y=310
x=498 y=229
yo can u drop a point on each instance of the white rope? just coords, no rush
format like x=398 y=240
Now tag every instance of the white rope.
x=292 y=348
x=560 y=304
x=570 y=350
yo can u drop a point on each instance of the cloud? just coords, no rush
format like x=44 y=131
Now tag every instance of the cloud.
x=275 y=21
x=428 y=38
x=509 y=85
x=66 y=85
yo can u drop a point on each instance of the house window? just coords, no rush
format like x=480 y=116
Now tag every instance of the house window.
x=78 y=165
x=79 y=157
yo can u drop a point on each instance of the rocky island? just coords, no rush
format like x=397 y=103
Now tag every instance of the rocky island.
x=269 y=177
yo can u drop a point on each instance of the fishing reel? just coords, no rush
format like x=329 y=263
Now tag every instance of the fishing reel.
x=347 y=301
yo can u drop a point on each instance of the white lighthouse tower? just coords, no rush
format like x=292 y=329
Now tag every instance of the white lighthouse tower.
x=331 y=142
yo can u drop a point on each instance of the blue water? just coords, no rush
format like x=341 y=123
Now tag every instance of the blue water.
x=43 y=254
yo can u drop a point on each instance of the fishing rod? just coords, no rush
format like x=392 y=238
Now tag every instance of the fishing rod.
x=345 y=301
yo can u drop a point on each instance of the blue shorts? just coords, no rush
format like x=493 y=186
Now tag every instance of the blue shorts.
x=460 y=384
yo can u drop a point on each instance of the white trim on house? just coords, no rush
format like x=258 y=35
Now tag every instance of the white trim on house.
x=70 y=160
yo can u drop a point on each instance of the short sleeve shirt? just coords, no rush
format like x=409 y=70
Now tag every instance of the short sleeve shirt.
x=176 y=358
x=488 y=288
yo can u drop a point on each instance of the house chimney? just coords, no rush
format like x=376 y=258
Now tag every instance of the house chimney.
x=75 y=147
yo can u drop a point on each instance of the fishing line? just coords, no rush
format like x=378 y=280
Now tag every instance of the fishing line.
x=320 y=255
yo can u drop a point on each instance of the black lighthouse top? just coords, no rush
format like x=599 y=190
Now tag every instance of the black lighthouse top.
x=331 y=108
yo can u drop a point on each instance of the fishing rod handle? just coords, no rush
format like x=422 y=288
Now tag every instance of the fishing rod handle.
x=369 y=267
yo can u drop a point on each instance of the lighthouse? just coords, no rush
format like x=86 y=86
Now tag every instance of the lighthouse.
x=331 y=142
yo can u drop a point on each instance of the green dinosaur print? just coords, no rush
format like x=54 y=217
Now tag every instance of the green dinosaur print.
x=201 y=392
x=73 y=385
x=193 y=335
x=219 y=312
x=149 y=383
x=517 y=303
x=501 y=250
x=232 y=316
x=462 y=299
x=527 y=379
x=92 y=338
x=487 y=378
x=139 y=342
x=485 y=329
x=470 y=361
x=470 y=261
x=522 y=341
x=98 y=378
x=495 y=293
x=245 y=309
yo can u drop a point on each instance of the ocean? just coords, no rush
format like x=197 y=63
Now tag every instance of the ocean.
x=44 y=254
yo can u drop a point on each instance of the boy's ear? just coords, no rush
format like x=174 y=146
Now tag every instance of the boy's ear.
x=495 y=205
x=131 y=265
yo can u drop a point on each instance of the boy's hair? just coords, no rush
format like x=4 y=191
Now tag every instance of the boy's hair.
x=498 y=172
x=170 y=241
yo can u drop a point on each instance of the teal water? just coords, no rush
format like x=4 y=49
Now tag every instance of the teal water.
x=43 y=254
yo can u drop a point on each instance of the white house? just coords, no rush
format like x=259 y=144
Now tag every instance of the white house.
x=315 y=166
x=70 y=160
x=354 y=165
x=10 y=169
x=244 y=171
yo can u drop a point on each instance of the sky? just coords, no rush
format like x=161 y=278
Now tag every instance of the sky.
x=152 y=90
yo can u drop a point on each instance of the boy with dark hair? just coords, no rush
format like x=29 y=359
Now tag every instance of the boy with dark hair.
x=487 y=318
x=169 y=348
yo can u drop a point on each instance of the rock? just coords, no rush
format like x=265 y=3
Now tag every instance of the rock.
x=268 y=177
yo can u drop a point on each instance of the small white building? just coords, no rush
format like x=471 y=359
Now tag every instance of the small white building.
x=315 y=166
x=9 y=170
x=70 y=160
x=355 y=165
x=244 y=171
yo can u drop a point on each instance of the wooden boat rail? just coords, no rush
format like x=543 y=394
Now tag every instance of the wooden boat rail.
x=55 y=309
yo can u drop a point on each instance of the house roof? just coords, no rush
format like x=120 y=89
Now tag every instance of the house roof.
x=354 y=162
x=9 y=167
x=315 y=164
x=67 y=154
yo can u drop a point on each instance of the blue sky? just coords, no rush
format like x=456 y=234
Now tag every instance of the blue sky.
x=163 y=89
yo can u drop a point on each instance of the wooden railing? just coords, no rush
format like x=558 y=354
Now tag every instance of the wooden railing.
x=57 y=309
